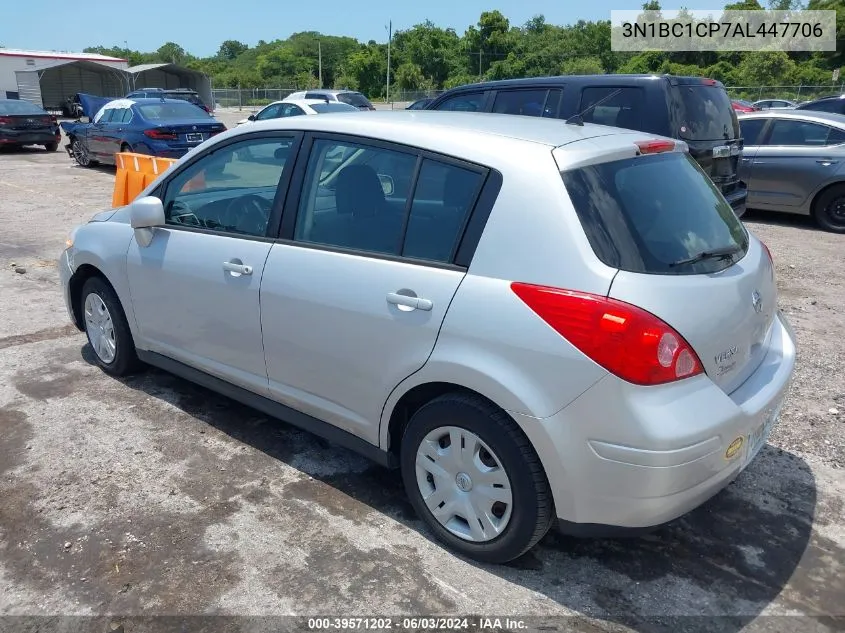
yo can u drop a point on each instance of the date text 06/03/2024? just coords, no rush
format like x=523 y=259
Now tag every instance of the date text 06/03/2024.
x=480 y=624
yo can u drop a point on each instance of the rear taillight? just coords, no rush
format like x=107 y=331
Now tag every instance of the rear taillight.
x=5 y=120
x=768 y=252
x=627 y=341
x=655 y=147
x=161 y=135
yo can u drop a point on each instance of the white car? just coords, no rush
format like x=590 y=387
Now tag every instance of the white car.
x=297 y=107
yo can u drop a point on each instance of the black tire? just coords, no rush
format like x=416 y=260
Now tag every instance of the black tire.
x=51 y=147
x=125 y=148
x=125 y=360
x=533 y=508
x=80 y=155
x=829 y=209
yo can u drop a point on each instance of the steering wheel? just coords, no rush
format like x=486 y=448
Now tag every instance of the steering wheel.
x=181 y=213
x=247 y=214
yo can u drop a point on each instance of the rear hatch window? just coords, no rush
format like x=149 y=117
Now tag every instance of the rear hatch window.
x=656 y=214
x=354 y=98
x=706 y=113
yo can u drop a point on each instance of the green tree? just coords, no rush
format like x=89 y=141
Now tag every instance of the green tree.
x=230 y=49
x=171 y=53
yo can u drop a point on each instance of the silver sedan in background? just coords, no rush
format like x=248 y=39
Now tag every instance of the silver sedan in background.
x=794 y=162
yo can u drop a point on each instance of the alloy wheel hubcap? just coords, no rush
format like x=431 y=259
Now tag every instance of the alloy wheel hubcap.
x=100 y=328
x=79 y=153
x=463 y=484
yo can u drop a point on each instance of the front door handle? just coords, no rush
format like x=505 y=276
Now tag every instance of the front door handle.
x=409 y=302
x=237 y=268
x=826 y=161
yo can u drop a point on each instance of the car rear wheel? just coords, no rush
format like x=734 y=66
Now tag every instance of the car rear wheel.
x=829 y=209
x=80 y=153
x=474 y=478
x=107 y=329
x=51 y=147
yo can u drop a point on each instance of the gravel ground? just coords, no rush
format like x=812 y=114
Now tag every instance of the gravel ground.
x=151 y=496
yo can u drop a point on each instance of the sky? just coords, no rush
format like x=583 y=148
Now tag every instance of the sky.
x=199 y=26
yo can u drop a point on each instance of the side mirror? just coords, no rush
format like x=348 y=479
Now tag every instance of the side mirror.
x=251 y=117
x=144 y=215
x=387 y=185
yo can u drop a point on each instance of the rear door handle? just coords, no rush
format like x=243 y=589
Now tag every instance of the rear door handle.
x=410 y=302
x=239 y=269
x=826 y=161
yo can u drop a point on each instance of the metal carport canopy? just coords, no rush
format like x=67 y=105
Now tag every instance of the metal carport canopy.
x=171 y=76
x=50 y=83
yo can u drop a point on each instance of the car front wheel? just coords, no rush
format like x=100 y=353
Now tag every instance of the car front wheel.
x=107 y=330
x=475 y=479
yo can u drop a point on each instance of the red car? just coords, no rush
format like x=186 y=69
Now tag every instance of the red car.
x=743 y=106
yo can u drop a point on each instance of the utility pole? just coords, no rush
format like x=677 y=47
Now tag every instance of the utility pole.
x=389 y=37
x=480 y=53
x=320 y=62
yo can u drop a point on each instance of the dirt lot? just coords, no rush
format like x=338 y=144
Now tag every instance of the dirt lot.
x=152 y=496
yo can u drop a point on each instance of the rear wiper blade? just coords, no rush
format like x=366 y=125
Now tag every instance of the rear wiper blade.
x=716 y=253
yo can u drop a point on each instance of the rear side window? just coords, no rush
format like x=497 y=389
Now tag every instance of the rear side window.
x=465 y=102
x=648 y=214
x=527 y=102
x=703 y=113
x=798 y=133
x=624 y=109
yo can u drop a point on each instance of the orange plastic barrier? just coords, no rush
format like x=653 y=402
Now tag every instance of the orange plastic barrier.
x=134 y=173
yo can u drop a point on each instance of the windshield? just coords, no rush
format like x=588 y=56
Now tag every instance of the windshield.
x=704 y=113
x=647 y=214
x=332 y=107
x=353 y=98
x=171 y=111
x=19 y=107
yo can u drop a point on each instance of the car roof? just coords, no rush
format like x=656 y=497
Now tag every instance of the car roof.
x=153 y=100
x=612 y=79
x=830 y=118
x=462 y=134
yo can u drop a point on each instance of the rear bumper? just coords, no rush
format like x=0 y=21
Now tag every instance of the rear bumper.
x=624 y=456
x=738 y=199
x=29 y=137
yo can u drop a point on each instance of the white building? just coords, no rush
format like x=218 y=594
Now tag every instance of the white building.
x=48 y=77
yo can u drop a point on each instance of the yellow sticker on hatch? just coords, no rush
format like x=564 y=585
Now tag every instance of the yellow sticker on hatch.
x=734 y=447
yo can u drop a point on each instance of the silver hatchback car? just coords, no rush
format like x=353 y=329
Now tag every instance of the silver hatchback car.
x=537 y=323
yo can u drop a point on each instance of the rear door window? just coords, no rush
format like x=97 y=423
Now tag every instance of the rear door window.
x=464 y=102
x=650 y=213
x=624 y=109
x=527 y=102
x=798 y=133
x=704 y=113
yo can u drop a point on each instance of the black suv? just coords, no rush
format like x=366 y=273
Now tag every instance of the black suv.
x=695 y=110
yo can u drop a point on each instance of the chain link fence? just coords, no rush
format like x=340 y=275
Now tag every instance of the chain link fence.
x=791 y=93
x=251 y=98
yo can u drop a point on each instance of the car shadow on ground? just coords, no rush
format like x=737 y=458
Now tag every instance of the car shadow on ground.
x=774 y=218
x=715 y=569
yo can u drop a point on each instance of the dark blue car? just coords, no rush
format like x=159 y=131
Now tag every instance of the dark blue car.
x=160 y=127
